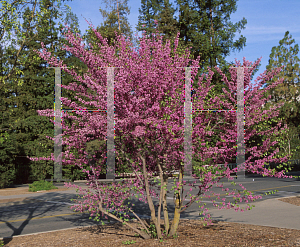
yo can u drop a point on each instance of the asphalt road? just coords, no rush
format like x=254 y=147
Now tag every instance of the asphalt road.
x=52 y=211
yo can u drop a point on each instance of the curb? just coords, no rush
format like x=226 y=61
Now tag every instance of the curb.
x=285 y=197
x=30 y=234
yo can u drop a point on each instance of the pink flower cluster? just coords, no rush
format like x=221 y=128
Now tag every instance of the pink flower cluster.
x=152 y=127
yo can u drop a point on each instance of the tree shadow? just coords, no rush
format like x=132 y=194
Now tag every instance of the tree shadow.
x=45 y=203
x=18 y=230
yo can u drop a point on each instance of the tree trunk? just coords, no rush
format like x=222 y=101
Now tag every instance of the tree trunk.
x=150 y=202
x=164 y=182
x=178 y=204
x=141 y=233
x=158 y=230
x=165 y=208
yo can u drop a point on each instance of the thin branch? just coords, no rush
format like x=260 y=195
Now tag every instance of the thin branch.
x=192 y=201
x=143 y=224
x=149 y=199
x=143 y=234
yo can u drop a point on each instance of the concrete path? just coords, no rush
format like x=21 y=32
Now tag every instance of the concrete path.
x=42 y=212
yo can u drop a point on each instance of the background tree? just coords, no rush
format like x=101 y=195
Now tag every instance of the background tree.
x=12 y=11
x=32 y=91
x=205 y=27
x=115 y=21
x=8 y=22
x=287 y=92
x=163 y=12
x=149 y=12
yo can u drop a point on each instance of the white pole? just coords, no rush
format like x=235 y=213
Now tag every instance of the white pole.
x=240 y=159
x=110 y=169
x=240 y=118
x=188 y=124
x=57 y=127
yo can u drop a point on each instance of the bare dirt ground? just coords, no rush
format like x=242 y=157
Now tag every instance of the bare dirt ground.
x=190 y=233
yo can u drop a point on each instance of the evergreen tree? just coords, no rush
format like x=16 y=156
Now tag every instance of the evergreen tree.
x=149 y=12
x=203 y=25
x=7 y=150
x=288 y=91
x=117 y=17
x=167 y=25
x=8 y=23
x=114 y=21
x=36 y=92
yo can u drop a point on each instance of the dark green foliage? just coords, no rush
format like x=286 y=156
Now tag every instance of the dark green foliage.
x=7 y=150
x=148 y=13
x=204 y=26
x=7 y=174
x=22 y=97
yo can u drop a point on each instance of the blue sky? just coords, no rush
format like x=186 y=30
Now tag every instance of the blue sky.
x=267 y=22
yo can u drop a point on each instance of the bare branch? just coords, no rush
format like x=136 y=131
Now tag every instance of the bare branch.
x=141 y=233
x=192 y=201
x=144 y=224
x=149 y=199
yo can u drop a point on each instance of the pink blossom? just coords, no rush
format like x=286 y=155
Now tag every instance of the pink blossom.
x=160 y=126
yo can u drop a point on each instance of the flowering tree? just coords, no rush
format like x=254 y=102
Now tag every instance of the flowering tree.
x=151 y=122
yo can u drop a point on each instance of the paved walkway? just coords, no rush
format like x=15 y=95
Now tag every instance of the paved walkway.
x=268 y=212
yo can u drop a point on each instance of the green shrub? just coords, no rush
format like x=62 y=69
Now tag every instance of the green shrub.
x=41 y=185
